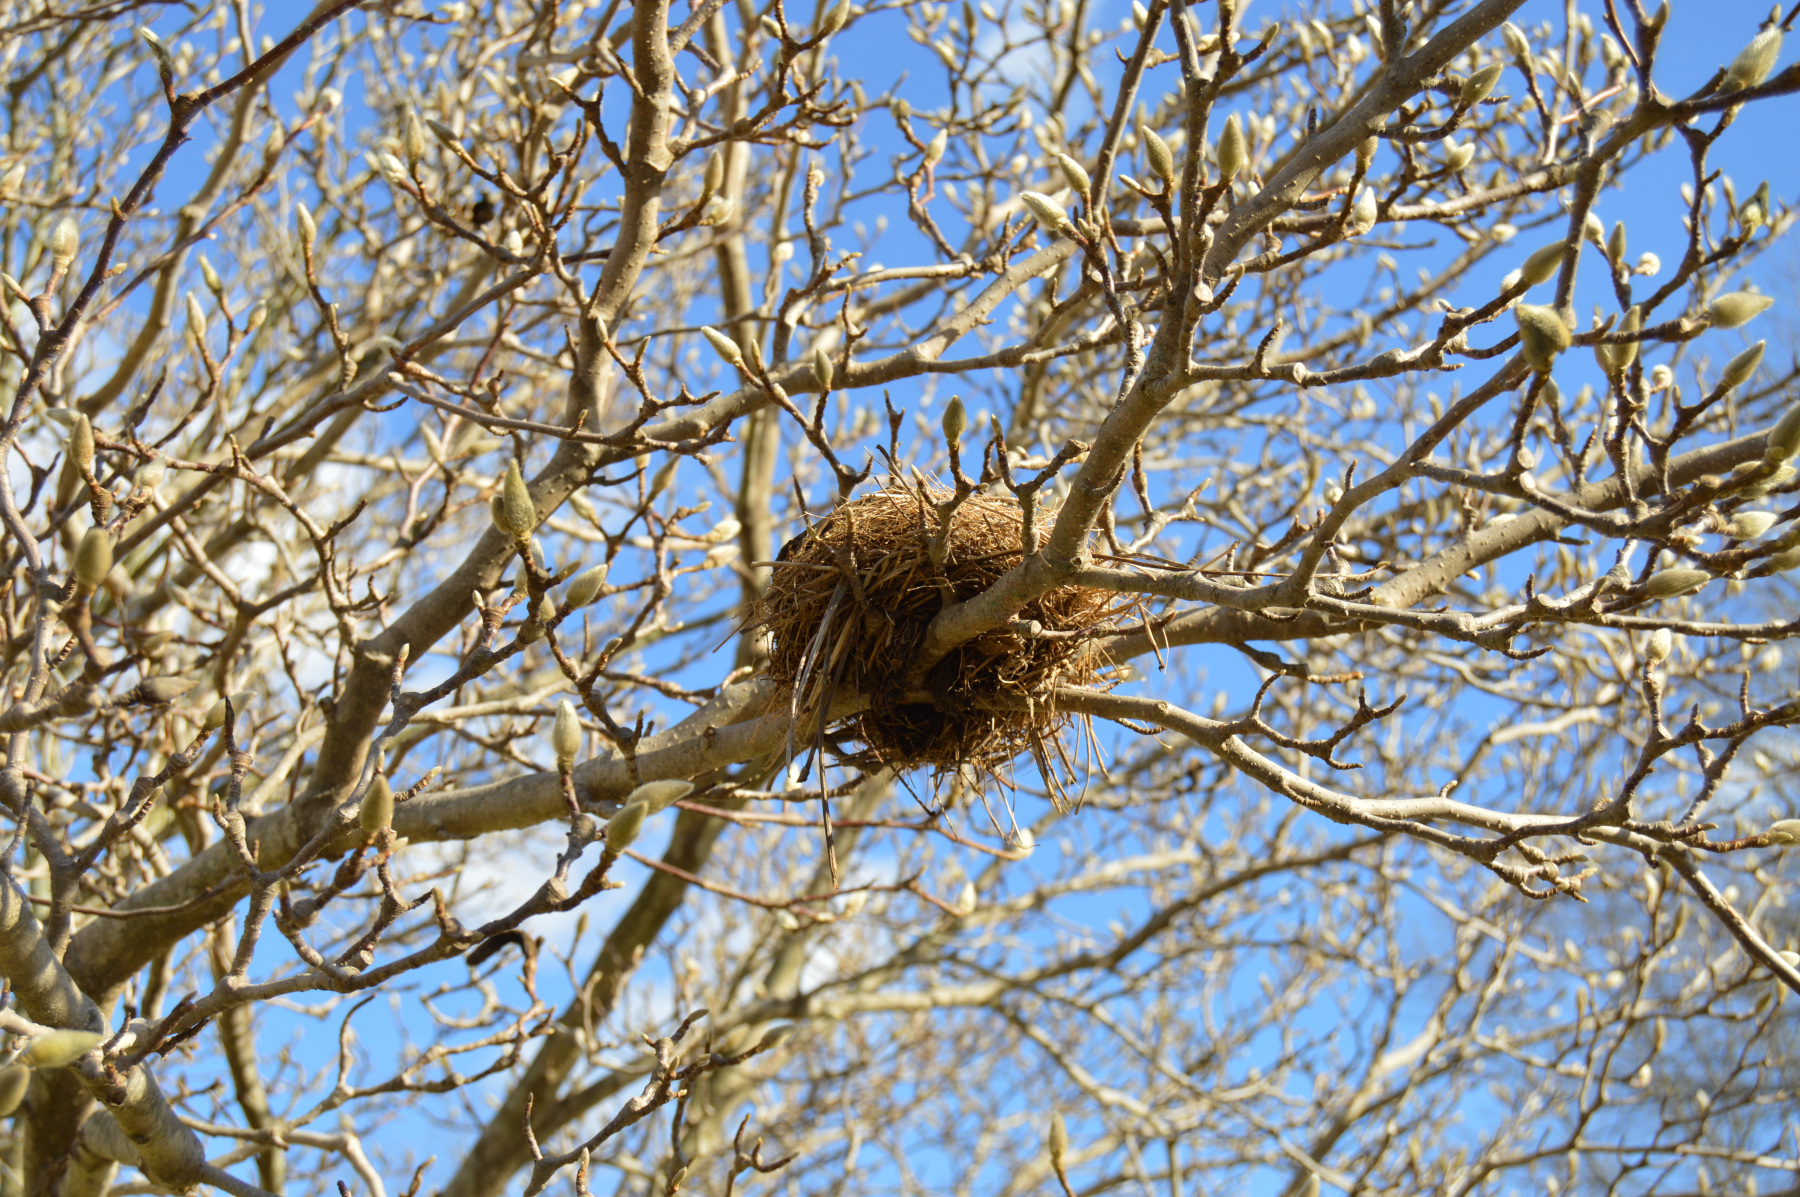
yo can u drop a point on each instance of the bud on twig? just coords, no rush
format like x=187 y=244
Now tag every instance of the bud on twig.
x=412 y=139
x=1748 y=525
x=1516 y=45
x=1047 y=211
x=1477 y=86
x=1075 y=173
x=215 y=714
x=14 y=1080
x=1670 y=583
x=565 y=735
x=165 y=689
x=835 y=19
x=934 y=149
x=1234 y=152
x=65 y=240
x=377 y=814
x=821 y=369
x=81 y=443
x=956 y=421
x=1784 y=831
x=1754 y=62
x=1542 y=335
x=1157 y=155
x=1058 y=1138
x=1365 y=153
x=59 y=1048
x=1737 y=309
x=624 y=826
x=724 y=346
x=516 y=507
x=1614 y=359
x=1662 y=642
x=1739 y=369
x=714 y=178
x=93 y=559
x=1540 y=266
x=584 y=587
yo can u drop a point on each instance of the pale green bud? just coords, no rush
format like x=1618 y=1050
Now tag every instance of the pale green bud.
x=1737 y=309
x=412 y=139
x=1739 y=369
x=309 y=231
x=934 y=149
x=81 y=443
x=655 y=796
x=1477 y=86
x=565 y=735
x=1516 y=45
x=93 y=558
x=724 y=346
x=1362 y=212
x=196 y=317
x=1542 y=335
x=1784 y=831
x=1662 y=643
x=585 y=586
x=1456 y=156
x=956 y=420
x=1542 y=265
x=835 y=19
x=665 y=474
x=1157 y=155
x=1754 y=62
x=1783 y=441
x=1670 y=583
x=210 y=277
x=1786 y=559
x=215 y=714
x=166 y=689
x=1046 y=211
x=1365 y=153
x=624 y=826
x=821 y=369
x=1234 y=151
x=59 y=1048
x=377 y=814
x=516 y=507
x=1075 y=173
x=1615 y=244
x=65 y=240
x=1748 y=525
x=714 y=177
x=1058 y=1138
x=1614 y=359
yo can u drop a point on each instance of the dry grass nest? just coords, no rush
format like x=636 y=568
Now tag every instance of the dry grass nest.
x=828 y=641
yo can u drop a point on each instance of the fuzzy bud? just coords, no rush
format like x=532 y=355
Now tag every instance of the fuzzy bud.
x=1516 y=45
x=1671 y=583
x=1234 y=151
x=196 y=317
x=956 y=420
x=1739 y=369
x=657 y=796
x=1058 y=1139
x=934 y=149
x=516 y=507
x=714 y=177
x=215 y=714
x=159 y=690
x=309 y=230
x=1075 y=173
x=377 y=814
x=1754 y=62
x=1477 y=86
x=412 y=139
x=1784 y=831
x=1542 y=335
x=1456 y=156
x=1737 y=309
x=821 y=369
x=835 y=19
x=1615 y=359
x=1783 y=441
x=14 y=1080
x=1046 y=211
x=565 y=735
x=65 y=240
x=584 y=587
x=624 y=826
x=93 y=558
x=1365 y=153
x=210 y=277
x=1541 y=266
x=1662 y=642
x=257 y=316
x=665 y=474
x=81 y=443
x=724 y=346
x=1362 y=212
x=1157 y=155
x=1615 y=245
x=1748 y=525
x=59 y=1048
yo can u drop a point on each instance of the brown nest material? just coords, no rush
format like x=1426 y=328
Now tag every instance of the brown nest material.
x=873 y=628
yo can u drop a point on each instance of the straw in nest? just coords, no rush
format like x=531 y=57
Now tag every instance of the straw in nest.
x=834 y=635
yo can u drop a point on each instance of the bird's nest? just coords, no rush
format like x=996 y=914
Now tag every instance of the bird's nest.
x=833 y=636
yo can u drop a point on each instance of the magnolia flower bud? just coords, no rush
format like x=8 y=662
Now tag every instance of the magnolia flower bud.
x=444 y=133
x=14 y=1080
x=1157 y=155
x=565 y=735
x=835 y=19
x=1075 y=173
x=210 y=277
x=1540 y=266
x=714 y=178
x=1662 y=642
x=1648 y=264
x=623 y=827
x=1615 y=245
x=1669 y=583
x=967 y=898
x=1754 y=62
x=65 y=239
x=657 y=796
x=81 y=443
x=821 y=369
x=956 y=420
x=1458 y=156
x=196 y=317
x=1234 y=152
x=1739 y=369
x=1477 y=86
x=166 y=689
x=93 y=558
x=1784 y=831
x=257 y=316
x=516 y=507
x=1058 y=1139
x=1737 y=309
x=778 y=1034
x=1365 y=153
x=724 y=346
x=412 y=139
x=1785 y=560
x=377 y=814
x=309 y=231
x=1748 y=525
x=59 y=1048
x=1614 y=359
x=1542 y=335
x=665 y=474
x=584 y=587
x=1516 y=45
x=1362 y=212
x=215 y=714
x=934 y=149
x=1046 y=211
x=1783 y=440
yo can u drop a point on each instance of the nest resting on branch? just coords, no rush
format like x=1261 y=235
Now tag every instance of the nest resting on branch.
x=832 y=637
